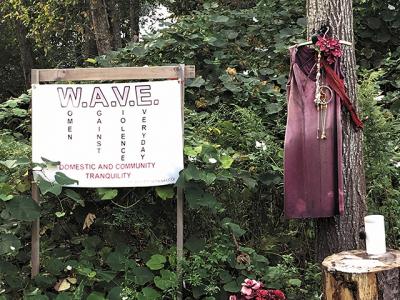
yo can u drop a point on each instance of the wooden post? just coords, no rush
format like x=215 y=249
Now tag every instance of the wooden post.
x=179 y=198
x=35 y=241
x=35 y=238
x=354 y=275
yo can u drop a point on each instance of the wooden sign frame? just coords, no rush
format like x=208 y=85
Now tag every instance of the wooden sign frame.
x=180 y=72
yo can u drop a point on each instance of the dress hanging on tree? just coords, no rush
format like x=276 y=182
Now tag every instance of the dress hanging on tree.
x=313 y=141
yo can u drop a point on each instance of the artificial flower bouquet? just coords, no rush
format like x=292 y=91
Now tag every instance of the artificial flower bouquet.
x=253 y=289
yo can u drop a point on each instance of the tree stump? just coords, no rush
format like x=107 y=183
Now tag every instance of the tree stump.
x=355 y=275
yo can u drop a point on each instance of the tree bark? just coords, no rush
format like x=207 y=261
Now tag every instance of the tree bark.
x=134 y=15
x=342 y=232
x=115 y=21
x=25 y=49
x=101 y=26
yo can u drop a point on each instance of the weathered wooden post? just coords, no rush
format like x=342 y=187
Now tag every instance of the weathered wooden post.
x=354 y=275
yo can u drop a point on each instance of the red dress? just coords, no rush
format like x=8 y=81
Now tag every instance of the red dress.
x=312 y=167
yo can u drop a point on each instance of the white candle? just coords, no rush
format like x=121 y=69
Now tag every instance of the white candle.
x=375 y=232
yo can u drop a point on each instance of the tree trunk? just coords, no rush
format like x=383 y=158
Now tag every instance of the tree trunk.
x=113 y=8
x=101 y=26
x=134 y=15
x=25 y=49
x=342 y=232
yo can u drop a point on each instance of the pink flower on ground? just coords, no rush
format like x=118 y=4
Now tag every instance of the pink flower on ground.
x=246 y=291
x=233 y=297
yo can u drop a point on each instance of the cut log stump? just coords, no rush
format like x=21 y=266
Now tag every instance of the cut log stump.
x=355 y=275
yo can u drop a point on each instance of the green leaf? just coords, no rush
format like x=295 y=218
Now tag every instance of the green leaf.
x=232 y=87
x=220 y=19
x=295 y=282
x=5 y=197
x=235 y=228
x=91 y=60
x=107 y=194
x=167 y=280
x=198 y=82
x=9 y=244
x=149 y=294
x=22 y=208
x=63 y=179
x=60 y=214
x=48 y=187
x=115 y=293
x=96 y=296
x=10 y=164
x=142 y=275
x=273 y=108
x=165 y=192
x=74 y=196
x=226 y=161
x=191 y=172
x=207 y=177
x=64 y=296
x=232 y=287
x=106 y=276
x=116 y=261
x=156 y=262
x=197 y=198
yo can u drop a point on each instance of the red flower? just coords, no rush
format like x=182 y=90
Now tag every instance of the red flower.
x=329 y=47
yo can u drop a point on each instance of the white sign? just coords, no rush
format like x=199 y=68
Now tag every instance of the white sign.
x=109 y=135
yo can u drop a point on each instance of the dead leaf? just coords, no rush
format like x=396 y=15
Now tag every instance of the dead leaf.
x=72 y=280
x=89 y=220
x=62 y=285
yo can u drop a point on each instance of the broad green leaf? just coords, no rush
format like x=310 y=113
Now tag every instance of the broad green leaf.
x=226 y=161
x=166 y=281
x=91 y=60
x=9 y=244
x=63 y=179
x=295 y=282
x=74 y=196
x=142 y=275
x=191 y=172
x=220 y=19
x=232 y=287
x=235 y=228
x=156 y=262
x=5 y=197
x=64 y=296
x=106 y=276
x=48 y=187
x=198 y=82
x=60 y=214
x=115 y=293
x=116 y=261
x=197 y=198
x=107 y=194
x=149 y=294
x=96 y=296
x=22 y=208
x=165 y=192
x=207 y=177
x=232 y=87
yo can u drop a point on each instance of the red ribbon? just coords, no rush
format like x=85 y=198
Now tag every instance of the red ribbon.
x=336 y=83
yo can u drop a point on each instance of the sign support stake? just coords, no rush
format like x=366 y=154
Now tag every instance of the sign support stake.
x=35 y=238
x=179 y=197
